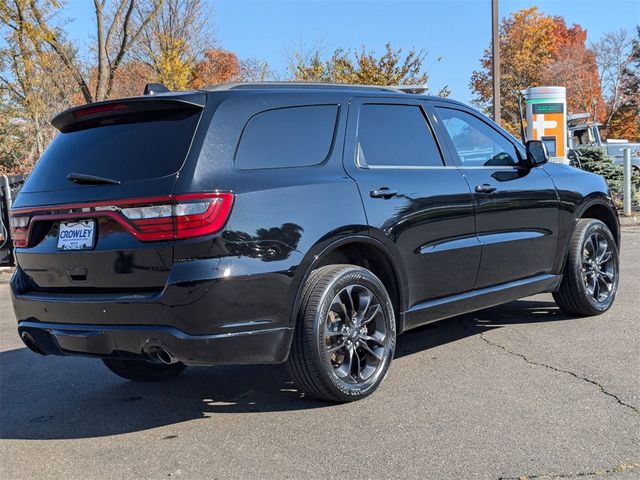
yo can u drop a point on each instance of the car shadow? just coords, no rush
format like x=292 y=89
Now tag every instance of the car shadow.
x=68 y=397
x=474 y=323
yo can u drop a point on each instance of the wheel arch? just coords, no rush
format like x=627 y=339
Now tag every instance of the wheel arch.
x=602 y=210
x=364 y=251
x=599 y=208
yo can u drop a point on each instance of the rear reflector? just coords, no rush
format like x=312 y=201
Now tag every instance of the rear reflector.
x=147 y=219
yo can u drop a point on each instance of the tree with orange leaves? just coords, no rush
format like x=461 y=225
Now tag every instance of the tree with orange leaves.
x=538 y=49
x=217 y=66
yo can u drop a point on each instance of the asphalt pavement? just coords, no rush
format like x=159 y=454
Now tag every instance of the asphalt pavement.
x=518 y=391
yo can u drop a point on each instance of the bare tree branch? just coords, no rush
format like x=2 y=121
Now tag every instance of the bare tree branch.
x=52 y=40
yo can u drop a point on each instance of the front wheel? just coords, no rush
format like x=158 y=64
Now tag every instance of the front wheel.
x=590 y=279
x=345 y=334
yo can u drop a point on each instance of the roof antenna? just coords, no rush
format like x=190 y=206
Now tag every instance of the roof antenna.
x=153 y=88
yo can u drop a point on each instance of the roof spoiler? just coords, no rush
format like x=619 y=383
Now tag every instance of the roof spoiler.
x=92 y=114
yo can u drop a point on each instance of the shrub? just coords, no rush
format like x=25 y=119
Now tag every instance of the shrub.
x=596 y=160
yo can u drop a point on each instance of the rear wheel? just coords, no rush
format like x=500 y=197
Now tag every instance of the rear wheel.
x=345 y=334
x=590 y=280
x=142 y=370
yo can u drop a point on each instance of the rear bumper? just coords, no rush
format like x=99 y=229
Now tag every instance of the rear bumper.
x=142 y=342
x=210 y=312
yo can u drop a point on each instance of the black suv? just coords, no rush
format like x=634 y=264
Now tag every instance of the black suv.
x=298 y=223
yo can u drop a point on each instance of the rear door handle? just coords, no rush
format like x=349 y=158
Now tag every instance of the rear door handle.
x=485 y=188
x=383 y=192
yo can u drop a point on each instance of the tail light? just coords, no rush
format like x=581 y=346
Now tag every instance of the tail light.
x=19 y=230
x=147 y=219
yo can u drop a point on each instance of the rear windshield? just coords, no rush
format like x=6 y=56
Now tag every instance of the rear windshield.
x=126 y=151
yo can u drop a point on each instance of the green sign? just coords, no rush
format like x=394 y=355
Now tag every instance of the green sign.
x=547 y=108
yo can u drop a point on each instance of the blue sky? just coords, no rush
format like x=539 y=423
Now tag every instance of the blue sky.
x=456 y=30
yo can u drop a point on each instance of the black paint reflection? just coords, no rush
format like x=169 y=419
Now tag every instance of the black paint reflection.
x=268 y=244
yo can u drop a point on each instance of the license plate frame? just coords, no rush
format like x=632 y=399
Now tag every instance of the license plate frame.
x=76 y=235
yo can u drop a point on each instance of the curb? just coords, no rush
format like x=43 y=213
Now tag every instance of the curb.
x=5 y=275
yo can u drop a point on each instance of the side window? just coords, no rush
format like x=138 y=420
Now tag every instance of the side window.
x=476 y=142
x=395 y=135
x=287 y=137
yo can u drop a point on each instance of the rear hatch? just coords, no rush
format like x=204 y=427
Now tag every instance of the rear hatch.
x=97 y=213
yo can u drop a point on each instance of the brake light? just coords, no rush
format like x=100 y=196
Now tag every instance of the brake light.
x=85 y=112
x=147 y=219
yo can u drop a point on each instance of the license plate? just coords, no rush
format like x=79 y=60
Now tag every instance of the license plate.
x=76 y=235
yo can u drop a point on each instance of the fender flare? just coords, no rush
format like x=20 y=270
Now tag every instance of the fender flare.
x=593 y=201
x=319 y=252
x=578 y=214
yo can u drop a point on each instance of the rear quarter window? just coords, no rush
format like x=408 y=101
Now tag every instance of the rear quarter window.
x=287 y=137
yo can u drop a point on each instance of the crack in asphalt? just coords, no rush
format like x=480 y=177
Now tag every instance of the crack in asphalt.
x=619 y=469
x=633 y=408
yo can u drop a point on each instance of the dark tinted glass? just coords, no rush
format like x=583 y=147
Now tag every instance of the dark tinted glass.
x=396 y=135
x=476 y=142
x=126 y=152
x=287 y=137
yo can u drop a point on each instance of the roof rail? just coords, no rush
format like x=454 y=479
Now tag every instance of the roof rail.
x=417 y=89
x=257 y=85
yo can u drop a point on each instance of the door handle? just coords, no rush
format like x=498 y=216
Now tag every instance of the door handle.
x=383 y=192
x=485 y=188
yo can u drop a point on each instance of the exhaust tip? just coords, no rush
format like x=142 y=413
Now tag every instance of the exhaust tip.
x=30 y=343
x=162 y=356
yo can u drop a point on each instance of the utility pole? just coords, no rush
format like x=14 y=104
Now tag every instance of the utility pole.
x=495 y=55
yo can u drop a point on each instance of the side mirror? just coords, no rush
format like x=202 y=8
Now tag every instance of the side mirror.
x=536 y=153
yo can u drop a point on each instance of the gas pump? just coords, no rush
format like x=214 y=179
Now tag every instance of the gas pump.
x=546 y=114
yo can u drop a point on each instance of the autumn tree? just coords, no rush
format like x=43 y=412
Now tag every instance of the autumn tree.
x=574 y=67
x=535 y=49
x=625 y=122
x=131 y=78
x=34 y=84
x=618 y=58
x=116 y=33
x=13 y=138
x=361 y=67
x=136 y=42
x=254 y=70
x=217 y=66
x=175 y=40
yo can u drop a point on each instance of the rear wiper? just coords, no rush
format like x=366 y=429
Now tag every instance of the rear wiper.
x=83 y=178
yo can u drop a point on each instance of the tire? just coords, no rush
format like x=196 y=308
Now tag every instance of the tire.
x=345 y=334
x=143 y=371
x=591 y=273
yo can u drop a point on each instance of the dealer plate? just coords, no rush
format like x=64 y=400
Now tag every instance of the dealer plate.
x=76 y=235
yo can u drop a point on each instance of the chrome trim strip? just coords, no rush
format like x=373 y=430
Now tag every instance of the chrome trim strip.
x=456 y=244
x=491 y=238
x=432 y=167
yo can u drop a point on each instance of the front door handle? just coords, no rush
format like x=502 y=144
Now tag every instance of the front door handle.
x=485 y=188
x=383 y=192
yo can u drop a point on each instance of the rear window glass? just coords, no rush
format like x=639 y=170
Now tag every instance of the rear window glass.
x=127 y=151
x=287 y=137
